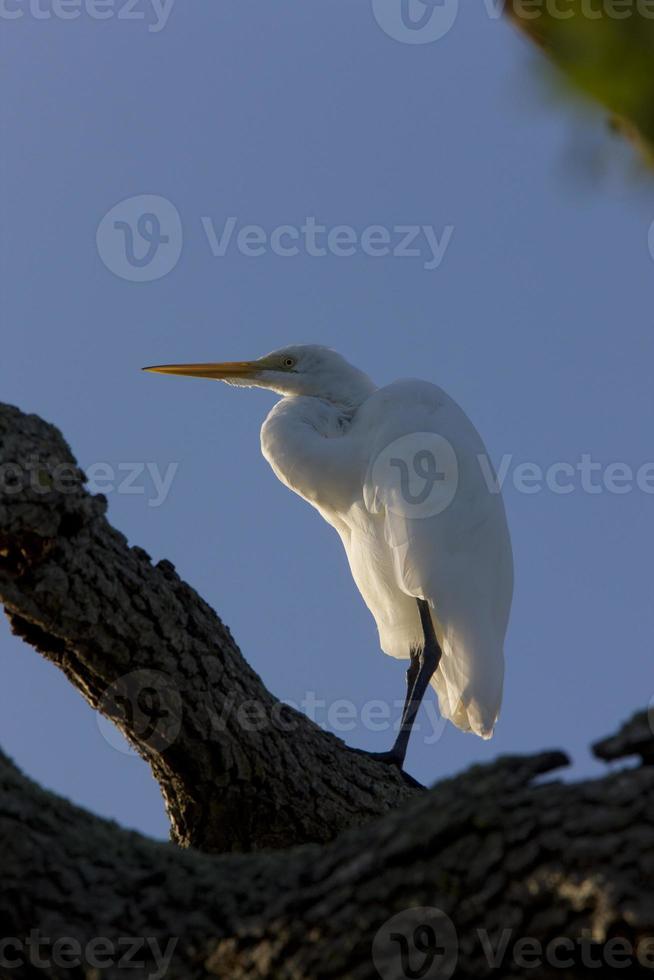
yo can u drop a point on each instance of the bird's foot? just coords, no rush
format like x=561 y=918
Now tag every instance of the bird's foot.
x=390 y=758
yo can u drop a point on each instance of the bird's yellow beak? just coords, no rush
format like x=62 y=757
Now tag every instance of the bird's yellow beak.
x=219 y=372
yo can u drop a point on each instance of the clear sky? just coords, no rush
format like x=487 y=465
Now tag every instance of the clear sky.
x=536 y=316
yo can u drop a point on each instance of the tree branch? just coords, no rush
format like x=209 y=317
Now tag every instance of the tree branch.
x=489 y=849
x=238 y=770
x=496 y=857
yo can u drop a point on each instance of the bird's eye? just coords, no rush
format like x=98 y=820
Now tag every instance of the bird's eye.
x=288 y=362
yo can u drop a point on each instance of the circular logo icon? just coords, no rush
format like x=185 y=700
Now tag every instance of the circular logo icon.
x=415 y=21
x=420 y=942
x=416 y=476
x=140 y=238
x=144 y=703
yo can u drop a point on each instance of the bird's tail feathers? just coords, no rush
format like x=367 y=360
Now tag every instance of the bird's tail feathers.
x=469 y=688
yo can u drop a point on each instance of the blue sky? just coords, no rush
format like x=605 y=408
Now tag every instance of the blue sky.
x=537 y=319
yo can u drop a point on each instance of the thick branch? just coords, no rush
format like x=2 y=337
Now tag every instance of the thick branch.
x=489 y=849
x=238 y=770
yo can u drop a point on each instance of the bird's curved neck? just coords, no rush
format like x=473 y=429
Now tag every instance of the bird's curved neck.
x=345 y=397
x=305 y=417
x=302 y=440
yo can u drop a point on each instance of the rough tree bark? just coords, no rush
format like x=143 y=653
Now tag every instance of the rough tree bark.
x=143 y=647
x=494 y=849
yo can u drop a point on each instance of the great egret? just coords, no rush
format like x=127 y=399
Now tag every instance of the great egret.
x=403 y=476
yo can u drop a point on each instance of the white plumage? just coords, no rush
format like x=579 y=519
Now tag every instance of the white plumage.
x=402 y=475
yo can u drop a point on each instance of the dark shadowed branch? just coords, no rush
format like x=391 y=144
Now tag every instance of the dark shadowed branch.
x=503 y=859
x=499 y=857
x=238 y=770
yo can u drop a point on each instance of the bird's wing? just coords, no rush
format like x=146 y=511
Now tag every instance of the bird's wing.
x=430 y=483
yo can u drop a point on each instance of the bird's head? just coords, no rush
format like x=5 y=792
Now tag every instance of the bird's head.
x=304 y=369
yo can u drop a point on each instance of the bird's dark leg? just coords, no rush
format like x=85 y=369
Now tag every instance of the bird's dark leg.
x=419 y=674
x=422 y=668
x=428 y=661
x=411 y=676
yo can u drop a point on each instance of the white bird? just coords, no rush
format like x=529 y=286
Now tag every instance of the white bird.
x=403 y=476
